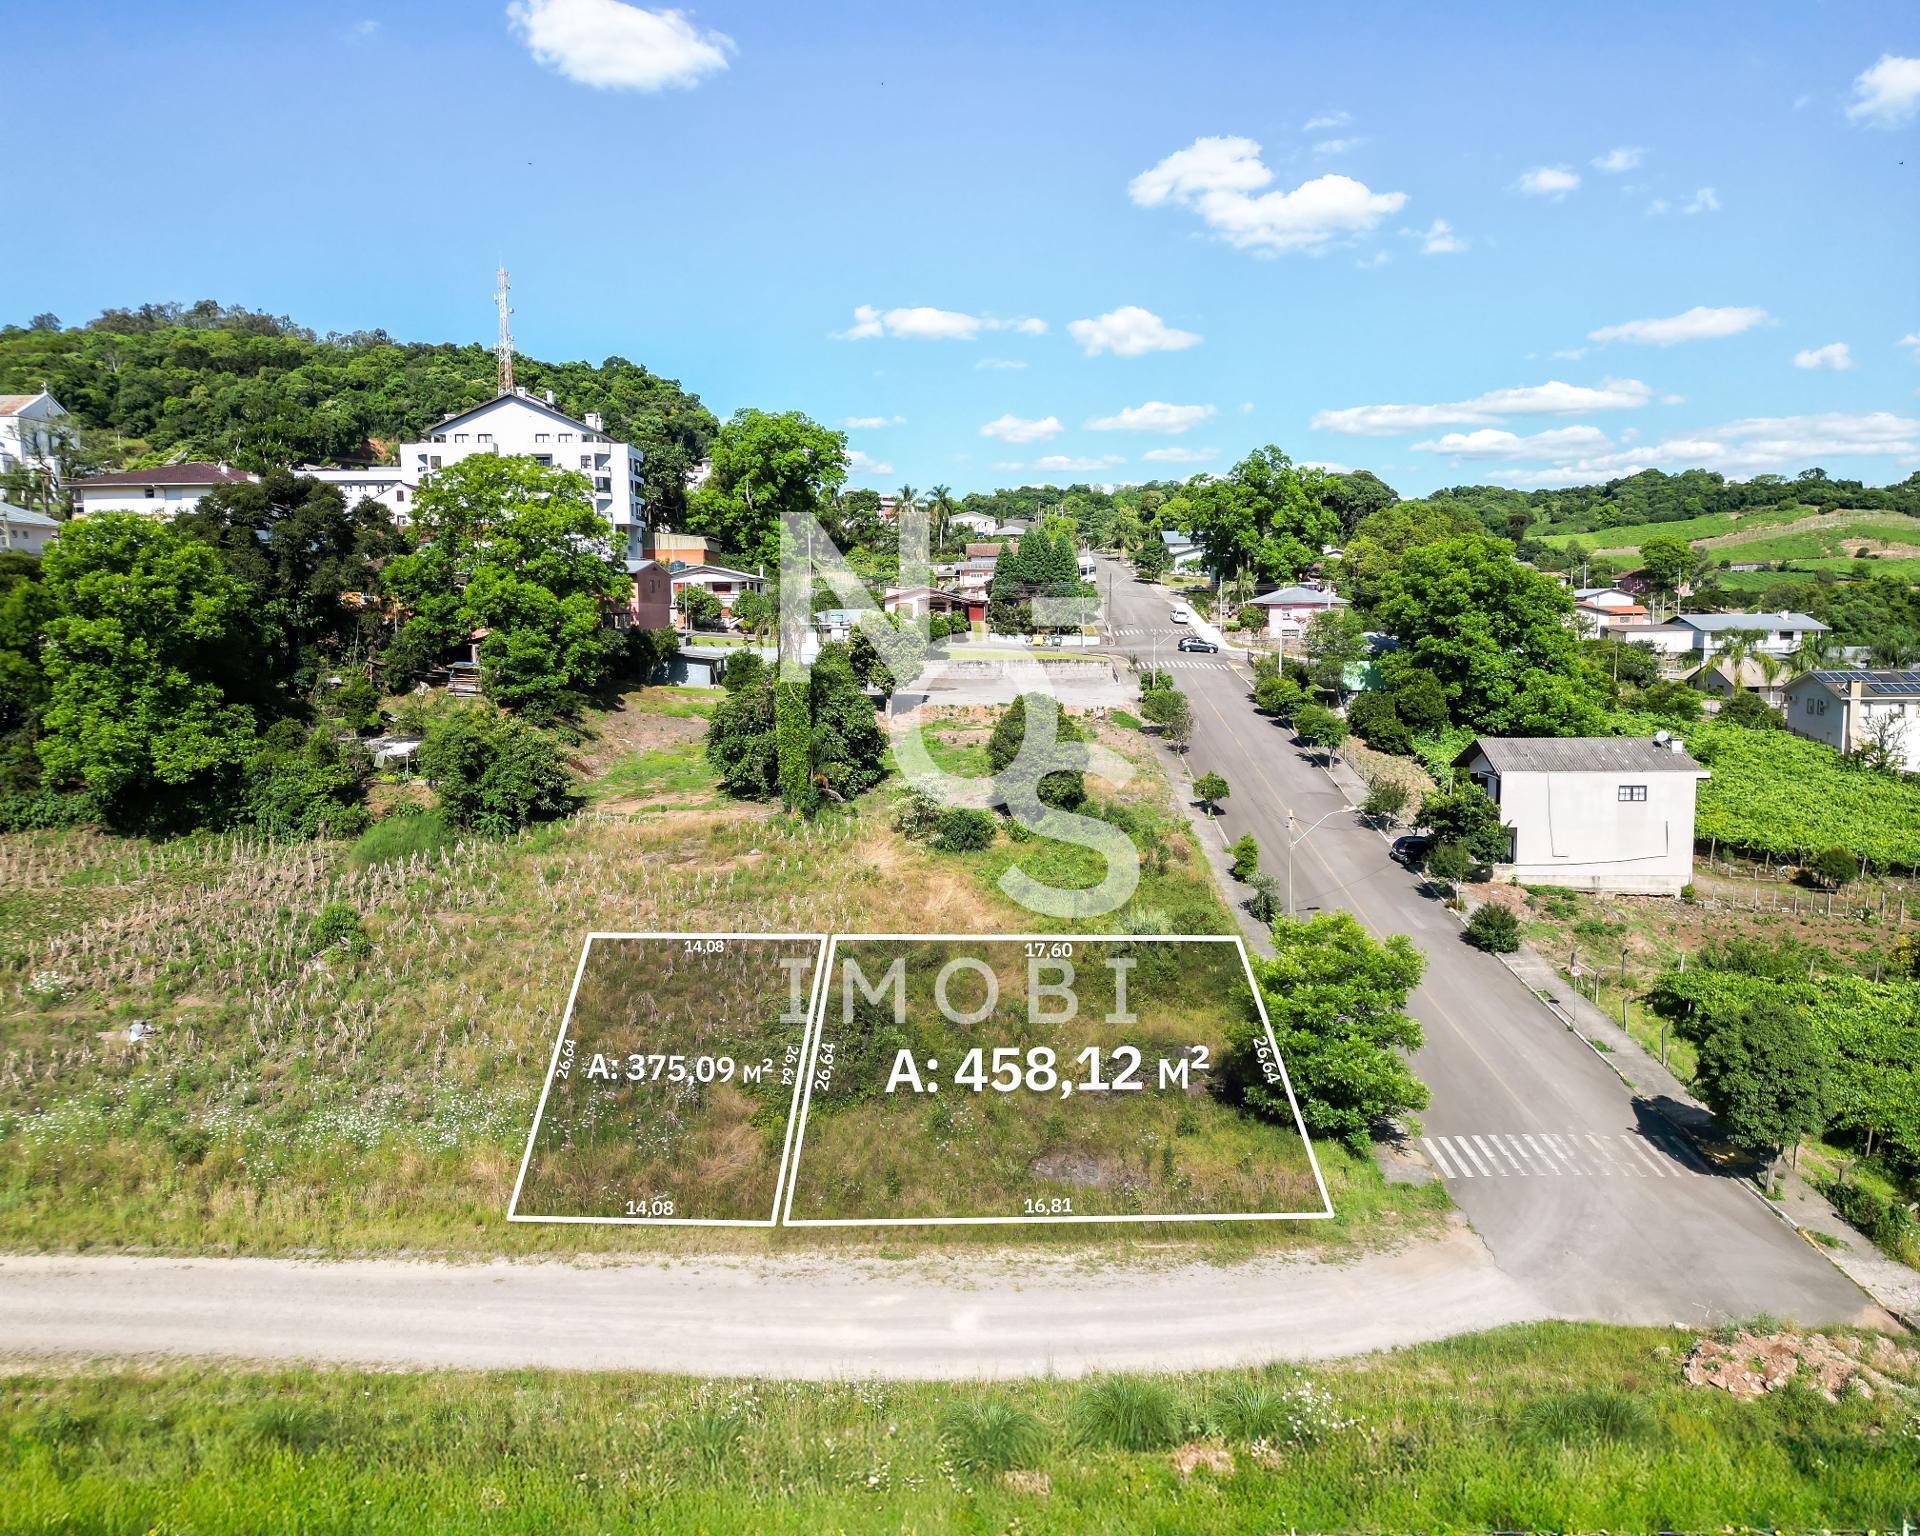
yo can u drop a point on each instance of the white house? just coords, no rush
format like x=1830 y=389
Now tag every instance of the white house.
x=1290 y=609
x=30 y=433
x=1600 y=609
x=1594 y=813
x=1774 y=633
x=523 y=425
x=384 y=484
x=981 y=523
x=24 y=531
x=723 y=582
x=165 y=491
x=1841 y=707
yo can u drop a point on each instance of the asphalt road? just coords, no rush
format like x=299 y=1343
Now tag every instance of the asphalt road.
x=1584 y=1197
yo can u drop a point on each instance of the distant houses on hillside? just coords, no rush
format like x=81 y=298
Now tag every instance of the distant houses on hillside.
x=1850 y=708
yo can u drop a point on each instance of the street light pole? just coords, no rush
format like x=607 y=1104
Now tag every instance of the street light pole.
x=1294 y=842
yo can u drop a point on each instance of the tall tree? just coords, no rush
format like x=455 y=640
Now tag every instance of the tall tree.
x=766 y=467
x=1266 y=515
x=150 y=646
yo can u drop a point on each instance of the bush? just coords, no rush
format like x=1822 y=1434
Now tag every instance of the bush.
x=1386 y=801
x=1376 y=722
x=1833 y=868
x=338 y=926
x=42 y=808
x=494 y=773
x=744 y=669
x=357 y=705
x=1127 y=1413
x=306 y=784
x=1062 y=787
x=991 y=1435
x=1246 y=857
x=965 y=831
x=1494 y=929
x=400 y=836
x=1449 y=863
x=1751 y=711
x=917 y=817
x=650 y=651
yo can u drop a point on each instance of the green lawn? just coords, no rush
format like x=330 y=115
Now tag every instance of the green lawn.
x=1548 y=1427
x=1745 y=536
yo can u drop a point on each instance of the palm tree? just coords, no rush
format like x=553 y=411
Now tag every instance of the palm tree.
x=943 y=510
x=1816 y=649
x=905 y=500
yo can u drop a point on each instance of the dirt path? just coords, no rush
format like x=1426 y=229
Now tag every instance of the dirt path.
x=815 y=1319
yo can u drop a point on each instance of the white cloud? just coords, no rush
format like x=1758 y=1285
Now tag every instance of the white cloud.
x=1572 y=354
x=1438 y=239
x=1554 y=181
x=1327 y=466
x=363 y=29
x=1835 y=355
x=1154 y=416
x=1659 y=206
x=1494 y=443
x=922 y=322
x=1337 y=146
x=1372 y=260
x=1697 y=324
x=998 y=362
x=607 y=44
x=1020 y=429
x=1888 y=94
x=1618 y=161
x=1751 y=446
x=1326 y=120
x=1550 y=399
x=1911 y=339
x=1218 y=177
x=1060 y=461
x=1129 y=331
x=868 y=423
x=1706 y=200
x=1180 y=455
x=859 y=463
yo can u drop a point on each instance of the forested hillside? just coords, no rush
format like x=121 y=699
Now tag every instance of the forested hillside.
x=208 y=381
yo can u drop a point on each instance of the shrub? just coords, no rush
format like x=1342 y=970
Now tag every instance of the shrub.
x=917 y=816
x=1751 y=711
x=1210 y=789
x=744 y=669
x=1126 y=1413
x=494 y=773
x=338 y=926
x=36 y=809
x=1494 y=929
x=400 y=836
x=1062 y=787
x=991 y=1435
x=1246 y=857
x=965 y=831
x=357 y=705
x=303 y=785
x=1833 y=868
x=649 y=651
x=1376 y=722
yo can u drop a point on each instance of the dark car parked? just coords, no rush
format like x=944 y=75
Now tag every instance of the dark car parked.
x=1195 y=643
x=1411 y=850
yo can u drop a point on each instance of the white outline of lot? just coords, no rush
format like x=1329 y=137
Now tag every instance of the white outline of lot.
x=816 y=1029
x=821 y=942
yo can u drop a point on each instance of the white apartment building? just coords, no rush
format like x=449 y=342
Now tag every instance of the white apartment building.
x=165 y=491
x=30 y=433
x=1840 y=706
x=523 y=424
x=381 y=483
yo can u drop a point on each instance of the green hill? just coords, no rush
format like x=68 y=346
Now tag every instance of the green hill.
x=209 y=381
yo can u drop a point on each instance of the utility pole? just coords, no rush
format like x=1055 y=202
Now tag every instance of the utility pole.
x=503 y=348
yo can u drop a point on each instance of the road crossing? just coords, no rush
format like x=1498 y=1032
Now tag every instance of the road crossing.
x=1655 y=1154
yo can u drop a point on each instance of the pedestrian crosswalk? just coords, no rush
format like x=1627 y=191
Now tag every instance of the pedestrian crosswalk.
x=1191 y=664
x=1654 y=1154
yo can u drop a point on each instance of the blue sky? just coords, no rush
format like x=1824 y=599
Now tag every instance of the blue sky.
x=1272 y=222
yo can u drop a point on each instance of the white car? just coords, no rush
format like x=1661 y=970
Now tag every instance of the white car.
x=1183 y=615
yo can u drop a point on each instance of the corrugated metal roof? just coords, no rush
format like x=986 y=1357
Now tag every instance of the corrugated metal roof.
x=1580 y=754
x=165 y=474
x=1299 y=597
x=1712 y=621
x=23 y=517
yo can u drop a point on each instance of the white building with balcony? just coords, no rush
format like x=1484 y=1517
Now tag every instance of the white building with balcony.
x=30 y=433
x=534 y=427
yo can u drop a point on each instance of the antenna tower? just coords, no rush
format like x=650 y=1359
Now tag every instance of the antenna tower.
x=503 y=349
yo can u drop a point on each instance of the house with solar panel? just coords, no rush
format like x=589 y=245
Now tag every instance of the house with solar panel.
x=1592 y=813
x=1848 y=708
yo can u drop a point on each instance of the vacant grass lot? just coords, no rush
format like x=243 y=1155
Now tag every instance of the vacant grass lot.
x=1722 y=533
x=1550 y=1427
x=291 y=1099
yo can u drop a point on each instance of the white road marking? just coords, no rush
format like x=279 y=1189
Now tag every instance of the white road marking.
x=1446 y=1168
x=1552 y=1166
x=1481 y=1143
x=1466 y=1147
x=1637 y=1147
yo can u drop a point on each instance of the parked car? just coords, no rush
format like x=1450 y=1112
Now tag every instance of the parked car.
x=1411 y=850
x=1183 y=615
x=1195 y=643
